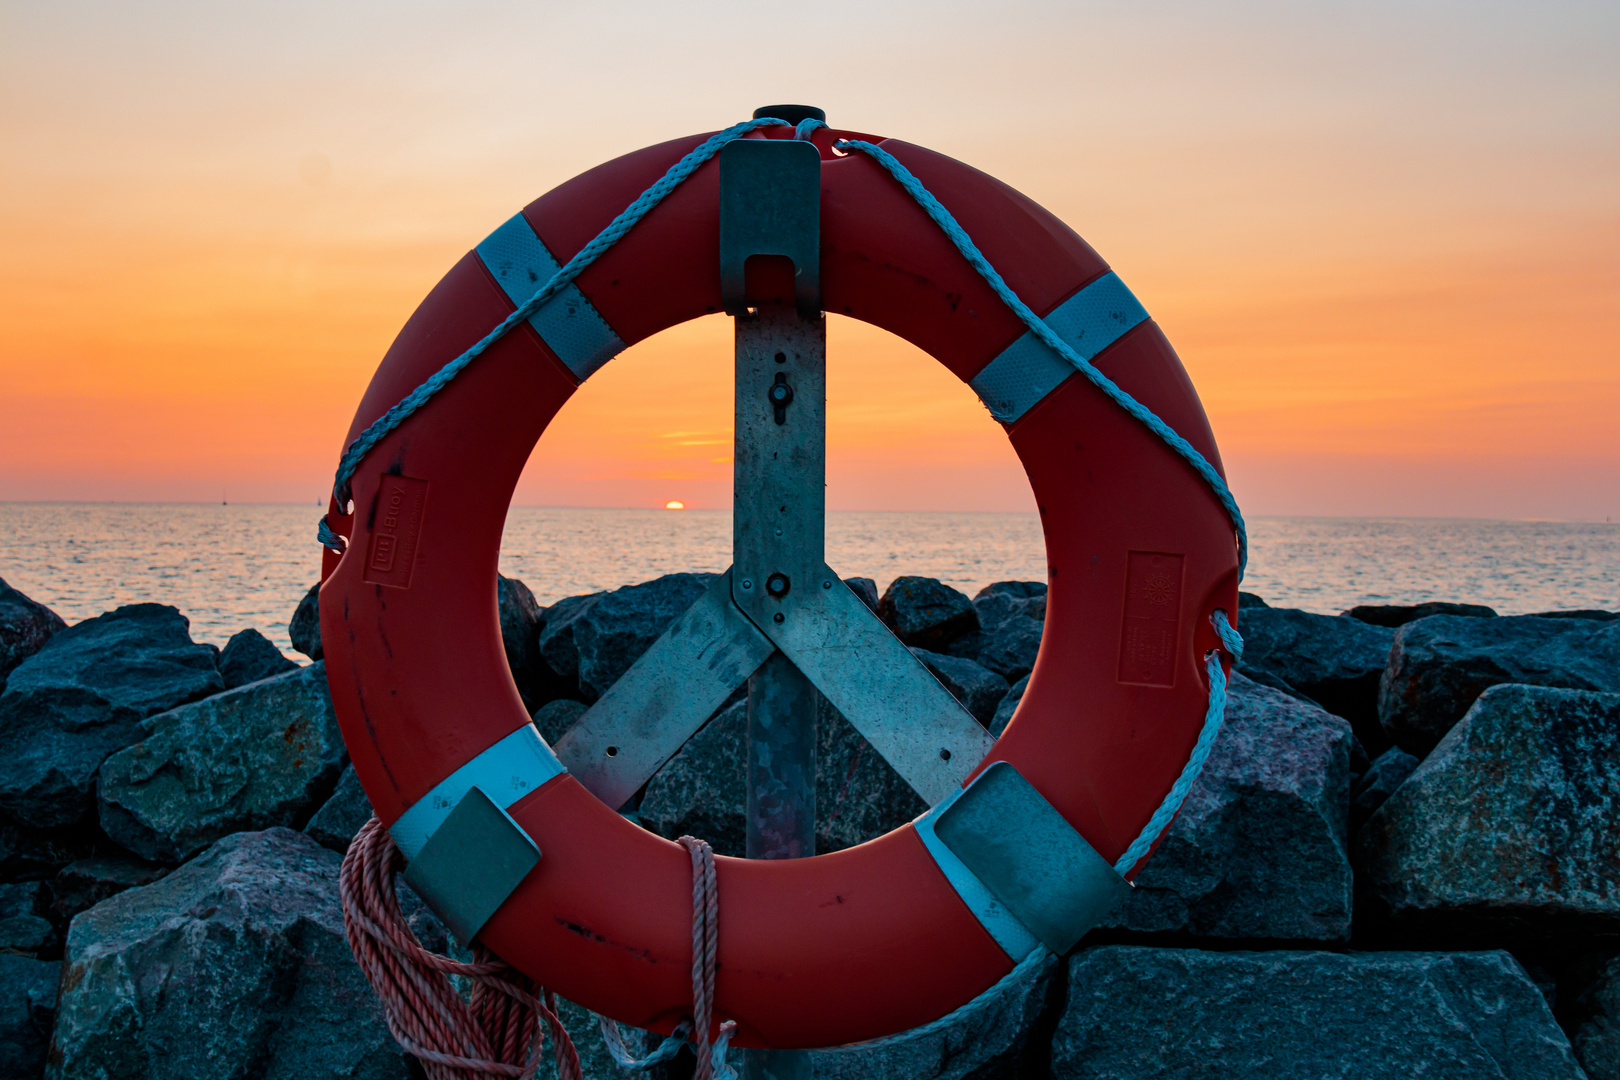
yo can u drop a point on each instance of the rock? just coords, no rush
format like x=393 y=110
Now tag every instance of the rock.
x=1266 y=678
x=82 y=885
x=926 y=612
x=27 y=1011
x=1334 y=660
x=266 y=754
x=1259 y=850
x=1595 y=1024
x=25 y=627
x=1594 y=614
x=1185 y=1013
x=554 y=718
x=979 y=689
x=520 y=635
x=83 y=696
x=1006 y=706
x=30 y=854
x=234 y=965
x=1439 y=665
x=1248 y=601
x=612 y=633
x=248 y=657
x=1003 y=600
x=865 y=588
x=339 y=819
x=24 y=926
x=1388 y=772
x=556 y=642
x=1507 y=830
x=988 y=1041
x=305 y=627
x=702 y=790
x=1393 y=615
x=1010 y=649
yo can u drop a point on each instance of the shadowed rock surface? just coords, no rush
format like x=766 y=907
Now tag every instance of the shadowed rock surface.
x=1333 y=660
x=83 y=884
x=1509 y=825
x=1259 y=849
x=1393 y=615
x=234 y=965
x=1011 y=647
x=520 y=636
x=977 y=688
x=29 y=854
x=926 y=612
x=554 y=718
x=83 y=696
x=340 y=817
x=266 y=754
x=1595 y=1022
x=1185 y=1013
x=1007 y=706
x=24 y=927
x=1439 y=665
x=250 y=656
x=25 y=626
x=1248 y=601
x=1595 y=614
x=1002 y=600
x=27 y=1010
x=1387 y=772
x=865 y=588
x=558 y=647
x=612 y=633
x=988 y=1041
x=305 y=627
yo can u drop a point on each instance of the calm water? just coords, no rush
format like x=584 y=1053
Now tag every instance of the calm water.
x=229 y=567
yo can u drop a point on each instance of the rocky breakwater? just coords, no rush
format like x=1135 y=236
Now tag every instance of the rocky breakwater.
x=172 y=818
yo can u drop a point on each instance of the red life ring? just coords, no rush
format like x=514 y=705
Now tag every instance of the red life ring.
x=874 y=939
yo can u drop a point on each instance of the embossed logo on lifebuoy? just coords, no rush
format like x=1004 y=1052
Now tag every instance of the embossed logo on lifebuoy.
x=395 y=528
x=1147 y=645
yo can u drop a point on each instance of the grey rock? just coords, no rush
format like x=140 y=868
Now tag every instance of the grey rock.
x=1007 y=705
x=978 y=688
x=859 y=796
x=1507 y=829
x=234 y=965
x=1393 y=615
x=1334 y=660
x=248 y=657
x=1003 y=600
x=968 y=645
x=82 y=697
x=1594 y=1026
x=24 y=925
x=266 y=754
x=340 y=817
x=1387 y=772
x=1259 y=850
x=25 y=626
x=1011 y=647
x=612 y=633
x=1595 y=614
x=991 y=1040
x=83 y=884
x=1266 y=678
x=27 y=1011
x=520 y=636
x=865 y=588
x=28 y=854
x=305 y=627
x=1439 y=665
x=558 y=647
x=1185 y=1013
x=554 y=718
x=1248 y=601
x=924 y=611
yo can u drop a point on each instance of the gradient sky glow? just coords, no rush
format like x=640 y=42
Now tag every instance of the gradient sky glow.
x=1384 y=238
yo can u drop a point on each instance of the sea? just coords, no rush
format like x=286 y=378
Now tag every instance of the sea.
x=231 y=567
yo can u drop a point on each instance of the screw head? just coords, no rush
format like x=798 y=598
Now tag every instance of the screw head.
x=778 y=616
x=747 y=584
x=826 y=584
x=778 y=584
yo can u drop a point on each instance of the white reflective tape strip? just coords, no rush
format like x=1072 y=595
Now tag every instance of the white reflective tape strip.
x=506 y=772
x=1027 y=370
x=568 y=323
x=1015 y=940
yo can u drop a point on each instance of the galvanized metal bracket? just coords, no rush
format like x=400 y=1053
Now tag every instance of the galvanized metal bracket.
x=471 y=864
x=770 y=204
x=1029 y=857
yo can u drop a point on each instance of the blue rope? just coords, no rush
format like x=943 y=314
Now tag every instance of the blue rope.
x=964 y=244
x=806 y=126
x=384 y=425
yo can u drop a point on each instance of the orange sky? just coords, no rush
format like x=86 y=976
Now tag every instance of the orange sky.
x=1385 y=241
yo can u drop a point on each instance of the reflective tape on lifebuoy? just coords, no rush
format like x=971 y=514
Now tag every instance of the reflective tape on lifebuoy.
x=897 y=931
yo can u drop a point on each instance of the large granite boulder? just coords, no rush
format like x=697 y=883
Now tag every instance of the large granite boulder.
x=866 y=589
x=235 y=965
x=1393 y=615
x=1507 y=830
x=27 y=1010
x=612 y=633
x=978 y=688
x=1386 y=773
x=340 y=817
x=250 y=656
x=1002 y=600
x=1594 y=1021
x=305 y=627
x=1334 y=660
x=83 y=696
x=993 y=1039
x=702 y=790
x=924 y=611
x=1011 y=647
x=266 y=754
x=1172 y=1014
x=1248 y=601
x=521 y=617
x=1439 y=665
x=1259 y=849
x=25 y=627
x=558 y=648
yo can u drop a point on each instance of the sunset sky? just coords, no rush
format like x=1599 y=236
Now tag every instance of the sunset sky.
x=1384 y=238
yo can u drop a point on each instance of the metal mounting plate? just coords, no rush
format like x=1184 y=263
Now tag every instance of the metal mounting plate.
x=770 y=204
x=471 y=864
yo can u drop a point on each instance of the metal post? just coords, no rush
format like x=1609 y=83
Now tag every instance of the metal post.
x=778 y=538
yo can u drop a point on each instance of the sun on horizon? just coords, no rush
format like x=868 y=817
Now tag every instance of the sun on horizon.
x=674 y=504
